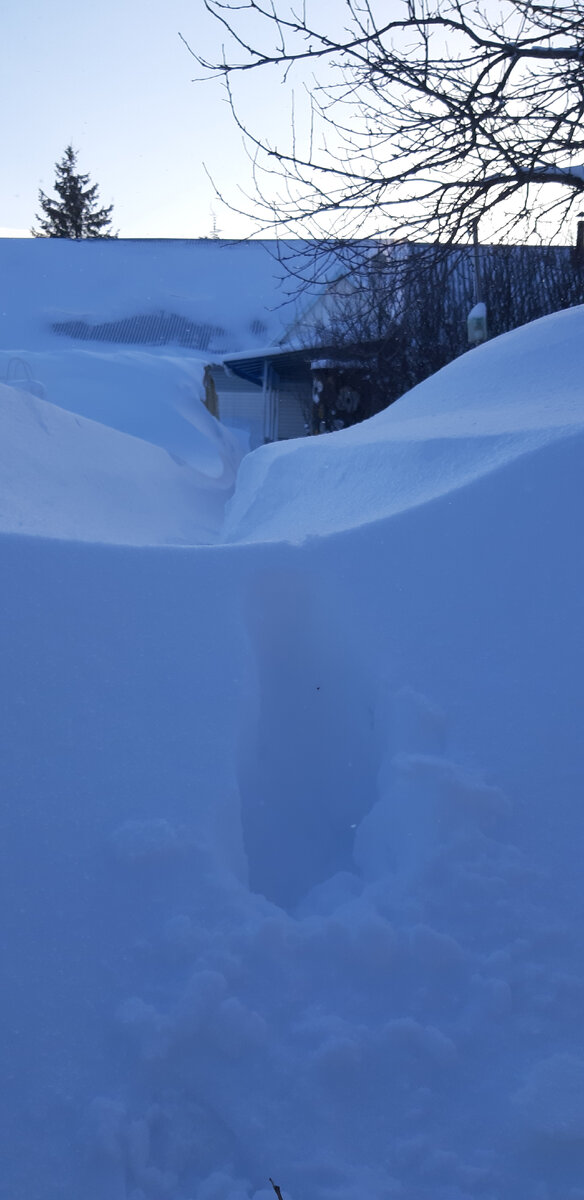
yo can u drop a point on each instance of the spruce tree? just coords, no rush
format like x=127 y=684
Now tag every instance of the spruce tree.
x=75 y=214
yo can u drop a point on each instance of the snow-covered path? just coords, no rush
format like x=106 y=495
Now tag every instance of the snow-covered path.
x=292 y=823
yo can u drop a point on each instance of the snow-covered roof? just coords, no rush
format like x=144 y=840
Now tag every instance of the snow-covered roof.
x=211 y=297
x=207 y=295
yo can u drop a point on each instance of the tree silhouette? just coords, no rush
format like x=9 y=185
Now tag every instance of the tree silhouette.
x=421 y=116
x=75 y=214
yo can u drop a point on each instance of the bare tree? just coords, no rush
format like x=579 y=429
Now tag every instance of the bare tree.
x=425 y=115
x=402 y=315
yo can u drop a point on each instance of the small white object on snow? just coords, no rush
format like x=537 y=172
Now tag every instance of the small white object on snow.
x=477 y=324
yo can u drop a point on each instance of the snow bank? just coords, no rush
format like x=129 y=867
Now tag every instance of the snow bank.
x=153 y=396
x=292 y=824
x=485 y=410
x=152 y=393
x=111 y=446
x=64 y=476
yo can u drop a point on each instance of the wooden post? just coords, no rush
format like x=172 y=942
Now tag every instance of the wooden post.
x=579 y=254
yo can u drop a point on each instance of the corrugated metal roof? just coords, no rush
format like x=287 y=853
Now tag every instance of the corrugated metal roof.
x=148 y=329
x=203 y=294
x=217 y=297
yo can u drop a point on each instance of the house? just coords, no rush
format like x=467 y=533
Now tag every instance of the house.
x=290 y=337
x=227 y=306
x=384 y=318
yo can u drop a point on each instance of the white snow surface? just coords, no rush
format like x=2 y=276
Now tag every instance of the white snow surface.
x=64 y=476
x=238 y=291
x=292 y=823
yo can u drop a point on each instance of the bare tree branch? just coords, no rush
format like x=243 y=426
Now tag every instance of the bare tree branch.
x=417 y=126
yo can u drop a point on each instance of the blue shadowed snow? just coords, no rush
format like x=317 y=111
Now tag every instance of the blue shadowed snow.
x=292 y=822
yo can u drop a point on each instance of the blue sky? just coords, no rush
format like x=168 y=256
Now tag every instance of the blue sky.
x=115 y=80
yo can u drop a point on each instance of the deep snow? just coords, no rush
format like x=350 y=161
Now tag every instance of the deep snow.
x=65 y=476
x=292 y=824
x=237 y=290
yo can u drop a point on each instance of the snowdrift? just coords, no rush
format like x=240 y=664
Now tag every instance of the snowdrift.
x=112 y=446
x=65 y=476
x=485 y=410
x=292 y=824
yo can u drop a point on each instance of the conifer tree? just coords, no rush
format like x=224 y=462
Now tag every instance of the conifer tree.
x=75 y=214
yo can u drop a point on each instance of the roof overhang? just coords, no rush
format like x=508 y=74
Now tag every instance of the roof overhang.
x=251 y=364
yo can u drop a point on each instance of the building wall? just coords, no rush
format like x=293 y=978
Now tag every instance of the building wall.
x=242 y=408
x=241 y=405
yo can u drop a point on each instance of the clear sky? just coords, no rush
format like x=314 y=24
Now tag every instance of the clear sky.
x=115 y=81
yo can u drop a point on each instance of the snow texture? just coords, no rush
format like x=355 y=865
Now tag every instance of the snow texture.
x=238 y=293
x=65 y=476
x=292 y=822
